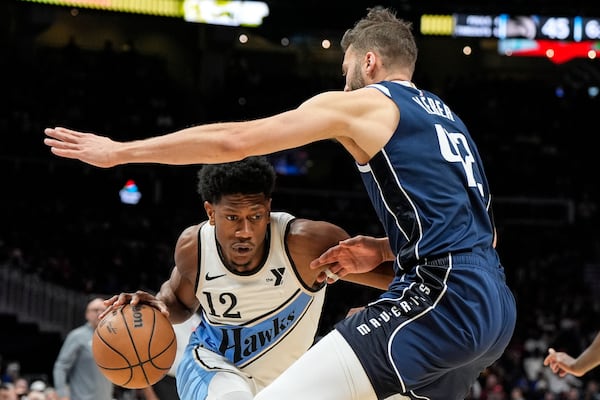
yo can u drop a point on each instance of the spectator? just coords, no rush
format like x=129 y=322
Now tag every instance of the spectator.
x=13 y=372
x=21 y=388
x=7 y=391
x=76 y=375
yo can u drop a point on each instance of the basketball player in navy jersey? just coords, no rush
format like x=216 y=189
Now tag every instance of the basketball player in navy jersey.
x=247 y=269
x=448 y=314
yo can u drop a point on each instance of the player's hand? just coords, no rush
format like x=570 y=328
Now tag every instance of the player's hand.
x=352 y=256
x=87 y=147
x=134 y=298
x=561 y=363
x=354 y=310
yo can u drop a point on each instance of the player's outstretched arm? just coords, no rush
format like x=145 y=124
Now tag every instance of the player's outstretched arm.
x=209 y=143
x=562 y=363
x=362 y=120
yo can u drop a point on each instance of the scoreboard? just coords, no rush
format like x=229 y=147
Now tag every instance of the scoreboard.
x=504 y=26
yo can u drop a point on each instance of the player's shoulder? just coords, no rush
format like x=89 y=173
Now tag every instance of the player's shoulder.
x=189 y=237
x=191 y=232
x=349 y=102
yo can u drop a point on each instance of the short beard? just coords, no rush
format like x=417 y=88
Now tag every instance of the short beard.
x=356 y=81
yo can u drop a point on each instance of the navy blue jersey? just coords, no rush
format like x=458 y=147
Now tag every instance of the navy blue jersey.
x=428 y=184
x=429 y=190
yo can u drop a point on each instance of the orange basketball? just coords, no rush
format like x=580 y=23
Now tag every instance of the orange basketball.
x=134 y=346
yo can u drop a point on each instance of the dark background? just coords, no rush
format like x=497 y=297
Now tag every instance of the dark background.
x=133 y=76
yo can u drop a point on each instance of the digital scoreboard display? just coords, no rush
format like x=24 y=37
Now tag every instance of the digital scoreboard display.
x=504 y=26
x=590 y=28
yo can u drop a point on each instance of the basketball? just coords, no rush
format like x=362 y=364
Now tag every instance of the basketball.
x=134 y=346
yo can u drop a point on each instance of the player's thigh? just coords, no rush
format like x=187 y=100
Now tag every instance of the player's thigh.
x=328 y=371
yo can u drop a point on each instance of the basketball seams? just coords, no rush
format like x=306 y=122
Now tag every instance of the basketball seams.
x=128 y=326
x=122 y=346
x=128 y=366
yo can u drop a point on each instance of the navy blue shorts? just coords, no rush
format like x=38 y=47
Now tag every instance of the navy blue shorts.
x=435 y=330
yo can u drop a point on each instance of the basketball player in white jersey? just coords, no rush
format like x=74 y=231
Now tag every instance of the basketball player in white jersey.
x=247 y=269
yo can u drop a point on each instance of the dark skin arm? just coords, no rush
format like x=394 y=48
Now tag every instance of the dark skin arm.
x=308 y=240
x=176 y=298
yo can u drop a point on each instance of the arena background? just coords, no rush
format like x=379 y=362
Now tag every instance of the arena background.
x=65 y=234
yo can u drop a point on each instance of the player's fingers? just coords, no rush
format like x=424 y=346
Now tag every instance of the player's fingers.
x=550 y=357
x=321 y=277
x=318 y=263
x=68 y=132
x=142 y=297
x=562 y=373
x=111 y=300
x=59 y=133
x=60 y=144
x=162 y=308
x=50 y=132
x=352 y=241
x=109 y=308
x=331 y=276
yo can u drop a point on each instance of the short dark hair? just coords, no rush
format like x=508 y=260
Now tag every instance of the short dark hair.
x=381 y=30
x=251 y=175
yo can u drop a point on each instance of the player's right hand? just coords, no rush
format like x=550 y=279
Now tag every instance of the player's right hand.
x=138 y=297
x=87 y=147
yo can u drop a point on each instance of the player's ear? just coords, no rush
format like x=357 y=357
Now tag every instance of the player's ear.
x=210 y=212
x=370 y=61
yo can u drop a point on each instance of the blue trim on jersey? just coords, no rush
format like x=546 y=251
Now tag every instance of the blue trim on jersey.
x=242 y=344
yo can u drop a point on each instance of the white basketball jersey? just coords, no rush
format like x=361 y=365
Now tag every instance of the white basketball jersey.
x=262 y=321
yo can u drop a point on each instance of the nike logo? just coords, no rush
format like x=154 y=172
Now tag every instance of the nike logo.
x=210 y=278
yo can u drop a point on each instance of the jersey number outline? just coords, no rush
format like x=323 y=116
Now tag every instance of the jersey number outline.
x=224 y=298
x=450 y=147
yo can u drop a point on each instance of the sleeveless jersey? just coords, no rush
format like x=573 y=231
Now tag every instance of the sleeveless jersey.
x=261 y=321
x=428 y=184
x=428 y=187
